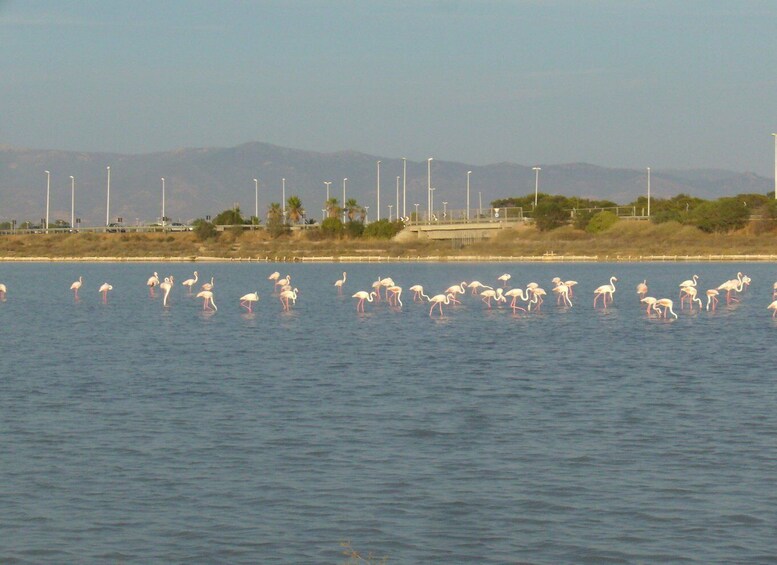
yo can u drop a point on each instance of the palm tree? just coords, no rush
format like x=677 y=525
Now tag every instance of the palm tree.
x=351 y=208
x=332 y=208
x=274 y=213
x=294 y=208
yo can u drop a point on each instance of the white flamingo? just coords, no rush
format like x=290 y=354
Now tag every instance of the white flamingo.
x=496 y=295
x=153 y=281
x=247 y=300
x=76 y=285
x=438 y=300
x=418 y=293
x=363 y=295
x=166 y=286
x=207 y=300
x=604 y=291
x=189 y=283
x=104 y=288
x=288 y=295
x=515 y=294
x=340 y=282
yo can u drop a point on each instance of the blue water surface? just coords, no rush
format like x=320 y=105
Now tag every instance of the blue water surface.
x=134 y=433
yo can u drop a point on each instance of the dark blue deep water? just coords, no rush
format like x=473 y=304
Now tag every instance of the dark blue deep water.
x=133 y=433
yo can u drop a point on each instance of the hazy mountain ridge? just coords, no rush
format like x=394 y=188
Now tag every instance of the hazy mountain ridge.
x=201 y=181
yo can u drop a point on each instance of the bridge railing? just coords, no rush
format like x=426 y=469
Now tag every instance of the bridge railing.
x=459 y=216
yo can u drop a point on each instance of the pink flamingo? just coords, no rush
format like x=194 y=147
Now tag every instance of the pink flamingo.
x=393 y=295
x=207 y=300
x=274 y=276
x=642 y=289
x=515 y=294
x=191 y=282
x=456 y=289
x=439 y=300
x=562 y=292
x=475 y=285
x=166 y=286
x=363 y=295
x=712 y=298
x=495 y=295
x=3 y=291
x=773 y=306
x=418 y=293
x=208 y=285
x=537 y=293
x=569 y=284
x=604 y=291
x=690 y=293
x=76 y=285
x=504 y=278
x=282 y=282
x=104 y=288
x=340 y=282
x=651 y=304
x=152 y=282
x=666 y=304
x=732 y=285
x=287 y=295
x=247 y=300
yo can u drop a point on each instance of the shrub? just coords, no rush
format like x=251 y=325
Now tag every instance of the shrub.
x=204 y=230
x=383 y=229
x=332 y=227
x=601 y=221
x=354 y=229
x=722 y=215
x=549 y=215
x=582 y=217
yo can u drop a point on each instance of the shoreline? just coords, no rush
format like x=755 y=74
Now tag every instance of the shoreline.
x=551 y=258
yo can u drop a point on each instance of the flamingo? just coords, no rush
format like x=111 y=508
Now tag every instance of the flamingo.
x=3 y=291
x=104 y=288
x=570 y=284
x=774 y=291
x=339 y=283
x=385 y=283
x=690 y=293
x=376 y=286
x=491 y=294
x=504 y=278
x=604 y=291
x=642 y=289
x=394 y=293
x=166 y=286
x=152 y=281
x=438 y=300
x=207 y=300
x=667 y=304
x=247 y=300
x=282 y=282
x=729 y=285
x=515 y=294
x=456 y=289
x=76 y=285
x=418 y=293
x=191 y=282
x=537 y=294
x=475 y=285
x=773 y=306
x=208 y=285
x=274 y=276
x=363 y=295
x=651 y=304
x=690 y=282
x=287 y=295
x=712 y=298
x=562 y=291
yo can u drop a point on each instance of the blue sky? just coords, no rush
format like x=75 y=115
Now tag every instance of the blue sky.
x=684 y=84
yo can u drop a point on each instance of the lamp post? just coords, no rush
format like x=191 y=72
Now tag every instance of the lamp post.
x=48 y=193
x=397 y=197
x=390 y=207
x=774 y=135
x=468 y=174
x=163 y=203
x=416 y=212
x=480 y=204
x=328 y=183
x=108 y=199
x=72 y=202
x=378 y=191
x=445 y=210
x=648 y=188
x=429 y=188
x=283 y=198
x=366 y=215
x=404 y=187
x=256 y=199
x=536 y=183
x=345 y=212
x=431 y=200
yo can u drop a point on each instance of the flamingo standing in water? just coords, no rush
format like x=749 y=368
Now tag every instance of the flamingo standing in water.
x=207 y=285
x=166 y=286
x=690 y=282
x=418 y=293
x=475 y=285
x=339 y=283
x=495 y=295
x=247 y=300
x=536 y=293
x=3 y=291
x=651 y=304
x=515 y=294
x=774 y=292
x=773 y=306
x=666 y=304
x=153 y=281
x=363 y=295
x=104 y=288
x=604 y=291
x=287 y=295
x=438 y=300
x=504 y=278
x=689 y=292
x=76 y=285
x=285 y=281
x=642 y=289
x=191 y=282
x=570 y=284
x=732 y=285
x=274 y=276
x=207 y=300
x=393 y=295
x=562 y=291
x=712 y=298
x=456 y=289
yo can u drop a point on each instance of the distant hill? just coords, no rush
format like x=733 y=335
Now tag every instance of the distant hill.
x=208 y=180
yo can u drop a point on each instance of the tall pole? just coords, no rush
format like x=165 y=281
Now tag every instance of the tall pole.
x=468 y=174
x=404 y=187
x=283 y=198
x=72 y=202
x=431 y=200
x=48 y=193
x=397 y=198
x=377 y=216
x=775 y=165
x=345 y=212
x=648 y=187
x=163 y=202
x=416 y=212
x=328 y=183
x=536 y=183
x=256 y=199
x=480 y=204
x=108 y=199
x=429 y=189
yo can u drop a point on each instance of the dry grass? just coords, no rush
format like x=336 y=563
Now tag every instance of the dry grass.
x=625 y=239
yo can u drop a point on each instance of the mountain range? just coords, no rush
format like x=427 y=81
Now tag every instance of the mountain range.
x=205 y=181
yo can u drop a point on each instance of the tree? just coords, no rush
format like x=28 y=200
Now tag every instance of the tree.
x=332 y=227
x=276 y=223
x=229 y=217
x=351 y=209
x=383 y=229
x=333 y=209
x=294 y=208
x=721 y=215
x=549 y=215
x=204 y=229
x=601 y=221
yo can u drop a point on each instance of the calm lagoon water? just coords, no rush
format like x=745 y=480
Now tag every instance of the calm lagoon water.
x=135 y=433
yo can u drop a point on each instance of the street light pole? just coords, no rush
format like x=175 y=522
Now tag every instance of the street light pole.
x=648 y=187
x=480 y=204
x=429 y=188
x=48 y=192
x=283 y=198
x=397 y=197
x=108 y=199
x=345 y=213
x=328 y=183
x=536 y=183
x=431 y=199
x=468 y=174
x=416 y=212
x=775 y=165
x=72 y=202
x=445 y=210
x=378 y=191
x=390 y=207
x=404 y=187
x=163 y=203
x=256 y=200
